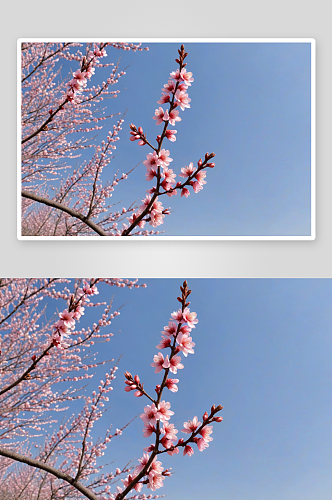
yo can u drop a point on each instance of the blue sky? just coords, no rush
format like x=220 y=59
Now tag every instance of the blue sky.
x=251 y=107
x=263 y=351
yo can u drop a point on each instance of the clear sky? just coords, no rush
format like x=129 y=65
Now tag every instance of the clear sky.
x=263 y=350
x=251 y=107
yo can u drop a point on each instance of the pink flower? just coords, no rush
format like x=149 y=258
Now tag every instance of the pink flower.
x=177 y=315
x=164 y=159
x=143 y=461
x=191 y=426
x=148 y=429
x=169 y=175
x=173 y=452
x=182 y=99
x=93 y=290
x=170 y=135
x=80 y=77
x=171 y=329
x=164 y=413
x=175 y=364
x=68 y=319
x=200 y=176
x=205 y=433
x=160 y=114
x=164 y=98
x=171 y=384
x=150 y=174
x=186 y=77
x=79 y=311
x=170 y=431
x=158 y=362
x=176 y=75
x=185 y=344
x=165 y=342
x=169 y=87
x=173 y=117
x=155 y=481
x=196 y=186
x=185 y=192
x=201 y=444
x=187 y=171
x=188 y=450
x=156 y=219
x=152 y=160
x=150 y=414
x=189 y=318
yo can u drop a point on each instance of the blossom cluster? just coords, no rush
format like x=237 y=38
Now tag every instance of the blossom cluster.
x=80 y=77
x=67 y=318
x=156 y=417
x=174 y=93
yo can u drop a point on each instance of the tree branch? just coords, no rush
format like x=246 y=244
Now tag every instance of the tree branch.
x=70 y=211
x=51 y=470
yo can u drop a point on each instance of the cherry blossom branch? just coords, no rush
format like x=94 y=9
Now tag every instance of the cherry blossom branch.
x=157 y=163
x=48 y=468
x=177 y=332
x=70 y=211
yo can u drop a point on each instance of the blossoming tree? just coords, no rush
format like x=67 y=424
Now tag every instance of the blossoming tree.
x=43 y=365
x=58 y=116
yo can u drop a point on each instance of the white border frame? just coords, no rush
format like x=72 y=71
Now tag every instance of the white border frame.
x=312 y=41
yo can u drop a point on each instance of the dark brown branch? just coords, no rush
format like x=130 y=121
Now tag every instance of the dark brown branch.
x=51 y=470
x=70 y=211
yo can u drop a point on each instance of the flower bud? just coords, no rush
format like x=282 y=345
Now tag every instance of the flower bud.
x=217 y=419
x=157 y=389
x=213 y=408
x=33 y=357
x=137 y=380
x=205 y=416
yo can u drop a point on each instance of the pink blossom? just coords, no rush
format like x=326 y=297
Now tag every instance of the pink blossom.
x=169 y=430
x=79 y=311
x=143 y=461
x=176 y=75
x=148 y=429
x=185 y=192
x=93 y=290
x=171 y=384
x=152 y=160
x=159 y=115
x=191 y=426
x=171 y=329
x=173 y=452
x=169 y=87
x=186 y=77
x=150 y=174
x=177 y=315
x=185 y=344
x=67 y=318
x=165 y=342
x=80 y=77
x=200 y=176
x=205 y=433
x=175 y=364
x=164 y=159
x=158 y=362
x=150 y=414
x=164 y=413
x=173 y=117
x=187 y=171
x=164 y=98
x=182 y=99
x=201 y=444
x=170 y=135
x=197 y=187
x=188 y=450
x=155 y=481
x=189 y=318
x=156 y=219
